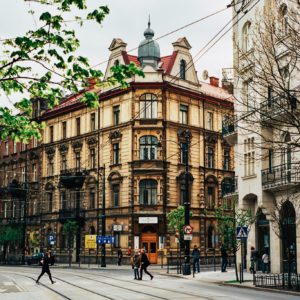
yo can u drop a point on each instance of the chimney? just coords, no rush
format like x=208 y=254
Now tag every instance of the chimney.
x=214 y=81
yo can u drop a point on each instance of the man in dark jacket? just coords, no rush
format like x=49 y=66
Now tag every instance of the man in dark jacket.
x=144 y=264
x=45 y=267
x=120 y=256
x=224 y=258
x=254 y=260
x=196 y=258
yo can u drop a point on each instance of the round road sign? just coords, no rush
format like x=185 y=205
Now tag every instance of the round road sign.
x=188 y=229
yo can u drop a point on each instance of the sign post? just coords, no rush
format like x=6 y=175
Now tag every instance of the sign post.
x=242 y=234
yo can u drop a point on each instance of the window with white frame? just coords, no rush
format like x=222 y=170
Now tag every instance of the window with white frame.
x=246 y=40
x=183 y=114
x=209 y=120
x=148 y=192
x=249 y=157
x=23 y=172
x=148 y=147
x=50 y=166
x=64 y=164
x=148 y=106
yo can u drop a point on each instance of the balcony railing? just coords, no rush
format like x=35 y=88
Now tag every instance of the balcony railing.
x=230 y=188
x=279 y=105
x=285 y=174
x=72 y=178
x=70 y=214
x=229 y=130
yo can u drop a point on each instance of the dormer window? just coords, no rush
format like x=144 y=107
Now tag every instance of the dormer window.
x=117 y=62
x=182 y=69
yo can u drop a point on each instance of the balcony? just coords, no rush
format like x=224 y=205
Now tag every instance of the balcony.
x=151 y=165
x=230 y=187
x=71 y=214
x=72 y=178
x=282 y=176
x=279 y=107
x=229 y=130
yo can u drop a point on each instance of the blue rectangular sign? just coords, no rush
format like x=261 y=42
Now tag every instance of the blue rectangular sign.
x=241 y=232
x=105 y=239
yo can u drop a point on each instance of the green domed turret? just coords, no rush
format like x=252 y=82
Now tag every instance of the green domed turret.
x=149 y=52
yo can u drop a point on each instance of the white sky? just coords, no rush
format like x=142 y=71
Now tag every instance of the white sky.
x=128 y=20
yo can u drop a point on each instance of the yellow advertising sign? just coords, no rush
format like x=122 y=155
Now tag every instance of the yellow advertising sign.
x=90 y=241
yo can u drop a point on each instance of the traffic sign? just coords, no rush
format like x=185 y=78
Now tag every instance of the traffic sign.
x=241 y=232
x=187 y=229
x=51 y=238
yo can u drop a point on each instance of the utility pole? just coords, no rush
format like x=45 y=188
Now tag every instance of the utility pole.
x=186 y=268
x=103 y=263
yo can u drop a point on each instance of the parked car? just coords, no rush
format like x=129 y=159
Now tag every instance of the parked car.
x=35 y=259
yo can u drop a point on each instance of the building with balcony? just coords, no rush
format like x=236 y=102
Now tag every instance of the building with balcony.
x=267 y=134
x=130 y=154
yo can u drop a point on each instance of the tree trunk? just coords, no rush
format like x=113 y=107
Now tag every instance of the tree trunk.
x=235 y=267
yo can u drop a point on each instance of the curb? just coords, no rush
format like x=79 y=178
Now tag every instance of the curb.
x=286 y=292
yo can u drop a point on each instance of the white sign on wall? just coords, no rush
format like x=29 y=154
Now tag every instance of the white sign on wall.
x=117 y=227
x=136 y=242
x=148 y=220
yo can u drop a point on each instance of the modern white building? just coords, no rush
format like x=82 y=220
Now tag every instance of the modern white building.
x=266 y=129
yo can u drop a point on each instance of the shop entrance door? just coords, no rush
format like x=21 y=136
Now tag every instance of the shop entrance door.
x=149 y=243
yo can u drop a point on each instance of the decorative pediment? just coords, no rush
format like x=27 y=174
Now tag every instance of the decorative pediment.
x=115 y=134
x=63 y=147
x=91 y=180
x=211 y=138
x=115 y=177
x=182 y=43
x=181 y=177
x=92 y=141
x=77 y=144
x=184 y=134
x=117 y=43
x=50 y=150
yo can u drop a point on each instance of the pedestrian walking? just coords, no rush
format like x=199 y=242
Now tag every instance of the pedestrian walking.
x=224 y=257
x=144 y=264
x=46 y=260
x=265 y=262
x=253 y=259
x=120 y=256
x=136 y=264
x=196 y=259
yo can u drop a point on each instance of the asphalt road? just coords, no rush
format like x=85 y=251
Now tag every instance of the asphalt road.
x=82 y=284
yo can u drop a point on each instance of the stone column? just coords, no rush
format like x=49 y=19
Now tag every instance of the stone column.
x=275 y=251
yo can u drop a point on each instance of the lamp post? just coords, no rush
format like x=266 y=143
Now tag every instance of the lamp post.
x=103 y=217
x=186 y=268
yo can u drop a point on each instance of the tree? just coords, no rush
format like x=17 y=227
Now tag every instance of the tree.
x=43 y=64
x=227 y=224
x=176 y=222
x=70 y=230
x=10 y=235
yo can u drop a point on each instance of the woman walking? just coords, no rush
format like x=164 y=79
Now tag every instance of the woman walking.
x=144 y=264
x=136 y=263
x=45 y=267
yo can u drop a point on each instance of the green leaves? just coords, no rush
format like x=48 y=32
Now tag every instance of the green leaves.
x=98 y=14
x=70 y=229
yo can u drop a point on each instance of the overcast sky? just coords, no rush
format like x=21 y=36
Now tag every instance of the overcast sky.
x=128 y=20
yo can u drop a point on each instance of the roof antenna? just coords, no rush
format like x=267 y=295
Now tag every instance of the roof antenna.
x=149 y=23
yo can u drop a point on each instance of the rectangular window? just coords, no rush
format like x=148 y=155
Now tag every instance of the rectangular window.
x=116 y=115
x=92 y=158
x=64 y=129
x=93 y=122
x=23 y=173
x=249 y=157
x=210 y=197
x=270 y=96
x=15 y=147
x=50 y=201
x=226 y=161
x=51 y=167
x=77 y=161
x=210 y=157
x=34 y=174
x=210 y=119
x=183 y=114
x=183 y=153
x=77 y=126
x=51 y=134
x=116 y=153
x=63 y=200
x=92 y=198
x=116 y=194
x=271 y=155
x=5 y=148
x=64 y=166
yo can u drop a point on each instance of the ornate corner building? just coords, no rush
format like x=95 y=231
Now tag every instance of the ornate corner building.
x=129 y=156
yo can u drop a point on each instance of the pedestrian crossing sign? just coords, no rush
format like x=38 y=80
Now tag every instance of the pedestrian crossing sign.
x=241 y=232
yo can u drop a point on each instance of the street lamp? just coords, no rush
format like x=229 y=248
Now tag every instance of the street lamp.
x=103 y=218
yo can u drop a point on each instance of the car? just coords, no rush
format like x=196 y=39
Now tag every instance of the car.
x=35 y=259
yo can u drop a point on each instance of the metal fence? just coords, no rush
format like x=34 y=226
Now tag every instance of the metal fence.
x=278 y=281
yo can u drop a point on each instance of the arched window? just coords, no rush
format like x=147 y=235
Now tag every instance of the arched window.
x=148 y=192
x=283 y=19
x=148 y=147
x=182 y=69
x=247 y=45
x=148 y=106
x=116 y=63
